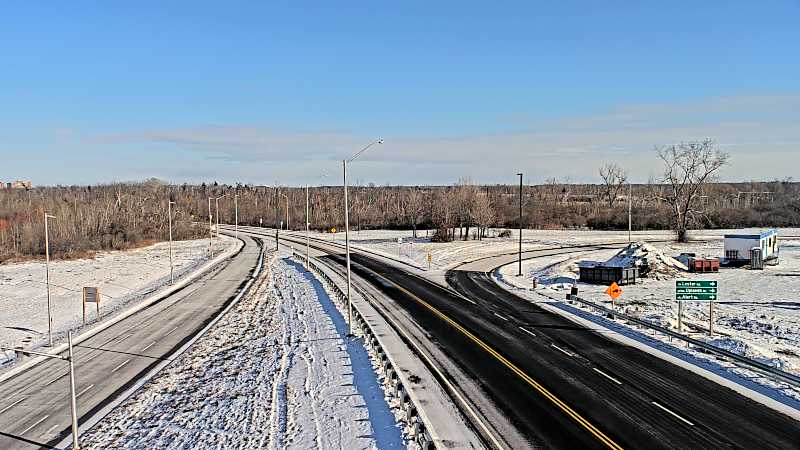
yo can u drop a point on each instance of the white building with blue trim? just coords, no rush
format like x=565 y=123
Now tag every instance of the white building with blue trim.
x=739 y=247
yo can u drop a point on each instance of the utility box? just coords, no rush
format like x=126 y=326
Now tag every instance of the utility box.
x=756 y=261
x=608 y=274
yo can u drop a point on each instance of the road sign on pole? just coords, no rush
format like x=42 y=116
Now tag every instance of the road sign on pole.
x=696 y=290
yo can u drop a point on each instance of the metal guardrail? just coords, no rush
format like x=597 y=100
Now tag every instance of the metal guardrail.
x=785 y=376
x=421 y=434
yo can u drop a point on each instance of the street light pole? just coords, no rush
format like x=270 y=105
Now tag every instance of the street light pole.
x=519 y=271
x=630 y=206
x=171 y=267
x=236 y=214
x=73 y=398
x=347 y=249
x=308 y=258
x=47 y=278
x=73 y=402
x=347 y=233
x=216 y=205
x=210 y=231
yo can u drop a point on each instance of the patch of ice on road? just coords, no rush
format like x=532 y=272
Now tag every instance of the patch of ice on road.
x=275 y=372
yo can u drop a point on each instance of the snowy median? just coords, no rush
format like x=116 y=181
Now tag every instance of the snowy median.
x=275 y=372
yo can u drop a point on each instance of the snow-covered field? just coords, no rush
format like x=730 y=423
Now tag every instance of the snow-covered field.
x=445 y=255
x=122 y=277
x=758 y=314
x=275 y=372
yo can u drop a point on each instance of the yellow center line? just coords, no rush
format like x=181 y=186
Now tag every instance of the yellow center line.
x=541 y=389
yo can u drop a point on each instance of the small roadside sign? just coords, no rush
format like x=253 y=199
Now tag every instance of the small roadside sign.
x=696 y=290
x=91 y=294
x=614 y=291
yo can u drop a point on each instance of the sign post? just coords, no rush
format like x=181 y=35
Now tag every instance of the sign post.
x=696 y=291
x=91 y=295
x=429 y=261
x=614 y=291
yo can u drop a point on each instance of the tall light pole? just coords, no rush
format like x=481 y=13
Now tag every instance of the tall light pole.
x=236 y=214
x=519 y=271
x=308 y=257
x=630 y=206
x=287 y=210
x=70 y=358
x=47 y=279
x=171 y=267
x=347 y=232
x=210 y=231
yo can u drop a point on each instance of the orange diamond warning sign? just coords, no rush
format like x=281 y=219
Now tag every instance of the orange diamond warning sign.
x=614 y=291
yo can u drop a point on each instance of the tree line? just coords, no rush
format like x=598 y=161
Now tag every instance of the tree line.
x=122 y=215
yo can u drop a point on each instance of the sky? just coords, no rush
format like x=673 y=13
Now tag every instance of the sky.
x=280 y=92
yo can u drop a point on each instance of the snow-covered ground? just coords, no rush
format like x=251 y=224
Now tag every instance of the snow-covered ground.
x=123 y=277
x=275 y=372
x=445 y=255
x=758 y=314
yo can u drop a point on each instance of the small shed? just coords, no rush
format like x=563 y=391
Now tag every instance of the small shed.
x=739 y=247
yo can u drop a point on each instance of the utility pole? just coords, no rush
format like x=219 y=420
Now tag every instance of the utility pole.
x=171 y=267
x=47 y=279
x=210 y=231
x=519 y=271
x=287 y=210
x=308 y=245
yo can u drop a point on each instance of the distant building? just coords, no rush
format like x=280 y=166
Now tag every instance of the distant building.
x=739 y=247
x=20 y=184
x=2 y=185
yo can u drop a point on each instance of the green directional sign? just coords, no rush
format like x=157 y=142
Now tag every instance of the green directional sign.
x=696 y=290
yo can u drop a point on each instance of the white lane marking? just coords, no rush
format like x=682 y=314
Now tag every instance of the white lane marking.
x=34 y=424
x=498 y=315
x=170 y=331
x=679 y=417
x=11 y=406
x=53 y=428
x=562 y=350
x=151 y=344
x=53 y=380
x=606 y=375
x=84 y=390
x=527 y=331
x=120 y=366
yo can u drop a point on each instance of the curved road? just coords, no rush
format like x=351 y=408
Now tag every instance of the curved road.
x=34 y=405
x=562 y=385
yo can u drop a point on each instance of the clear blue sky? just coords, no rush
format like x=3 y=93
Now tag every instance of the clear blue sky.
x=267 y=91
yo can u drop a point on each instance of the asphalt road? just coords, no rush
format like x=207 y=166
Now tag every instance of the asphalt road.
x=564 y=386
x=34 y=405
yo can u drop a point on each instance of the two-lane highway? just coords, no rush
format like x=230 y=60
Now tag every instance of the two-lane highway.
x=34 y=405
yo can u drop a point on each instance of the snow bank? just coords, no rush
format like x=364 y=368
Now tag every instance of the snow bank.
x=275 y=372
x=652 y=262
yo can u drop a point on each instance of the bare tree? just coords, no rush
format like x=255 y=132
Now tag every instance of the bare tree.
x=414 y=206
x=688 y=167
x=614 y=179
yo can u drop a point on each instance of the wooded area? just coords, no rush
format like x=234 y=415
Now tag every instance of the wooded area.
x=122 y=215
